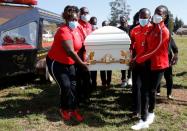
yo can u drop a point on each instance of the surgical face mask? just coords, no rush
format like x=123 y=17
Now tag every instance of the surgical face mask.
x=143 y=22
x=73 y=24
x=157 y=19
x=85 y=18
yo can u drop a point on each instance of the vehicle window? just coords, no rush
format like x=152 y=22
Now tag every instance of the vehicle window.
x=22 y=36
x=49 y=30
x=9 y=12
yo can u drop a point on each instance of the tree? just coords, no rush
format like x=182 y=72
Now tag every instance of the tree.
x=180 y=23
x=177 y=24
x=118 y=8
x=171 y=22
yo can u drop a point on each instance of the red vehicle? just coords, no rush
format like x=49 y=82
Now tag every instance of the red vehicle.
x=26 y=34
x=28 y=2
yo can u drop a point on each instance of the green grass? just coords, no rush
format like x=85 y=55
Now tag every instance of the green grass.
x=180 y=70
x=36 y=107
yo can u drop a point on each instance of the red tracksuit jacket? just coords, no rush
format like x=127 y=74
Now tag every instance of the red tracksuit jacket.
x=138 y=36
x=157 y=42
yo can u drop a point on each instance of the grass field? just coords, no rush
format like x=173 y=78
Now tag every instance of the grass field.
x=34 y=107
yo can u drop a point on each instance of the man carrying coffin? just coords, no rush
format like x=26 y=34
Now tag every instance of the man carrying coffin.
x=84 y=79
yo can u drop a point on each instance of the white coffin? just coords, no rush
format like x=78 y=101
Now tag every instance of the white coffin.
x=107 y=48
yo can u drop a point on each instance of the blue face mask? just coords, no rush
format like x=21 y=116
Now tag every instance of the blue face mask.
x=143 y=22
x=73 y=24
x=85 y=18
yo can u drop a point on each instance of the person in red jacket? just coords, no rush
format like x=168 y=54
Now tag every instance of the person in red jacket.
x=61 y=60
x=84 y=21
x=85 y=77
x=138 y=36
x=157 y=42
x=140 y=73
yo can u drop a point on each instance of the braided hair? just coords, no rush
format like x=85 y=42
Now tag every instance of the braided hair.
x=136 y=18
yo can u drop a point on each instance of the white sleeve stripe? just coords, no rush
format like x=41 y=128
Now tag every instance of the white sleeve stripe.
x=157 y=46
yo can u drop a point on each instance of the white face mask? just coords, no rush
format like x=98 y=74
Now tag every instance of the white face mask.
x=157 y=18
x=85 y=18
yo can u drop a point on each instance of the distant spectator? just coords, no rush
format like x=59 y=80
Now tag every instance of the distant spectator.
x=126 y=80
x=105 y=23
x=93 y=22
x=135 y=21
x=106 y=79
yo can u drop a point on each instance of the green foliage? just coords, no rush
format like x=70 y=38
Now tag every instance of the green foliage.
x=178 y=24
x=171 y=22
x=118 y=8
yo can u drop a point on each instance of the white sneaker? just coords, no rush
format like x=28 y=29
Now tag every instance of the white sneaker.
x=170 y=97
x=157 y=94
x=150 y=118
x=123 y=84
x=140 y=125
x=129 y=82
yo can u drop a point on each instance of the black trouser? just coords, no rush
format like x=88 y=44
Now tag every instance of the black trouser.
x=140 y=76
x=156 y=77
x=94 y=79
x=83 y=79
x=146 y=86
x=123 y=75
x=106 y=80
x=149 y=98
x=83 y=83
x=169 y=81
x=65 y=76
x=136 y=86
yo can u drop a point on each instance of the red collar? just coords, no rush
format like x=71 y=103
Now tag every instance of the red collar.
x=161 y=24
x=83 y=23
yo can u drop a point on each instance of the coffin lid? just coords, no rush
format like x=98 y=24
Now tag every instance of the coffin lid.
x=107 y=35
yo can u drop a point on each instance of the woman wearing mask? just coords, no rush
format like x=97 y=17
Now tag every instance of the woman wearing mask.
x=157 y=42
x=140 y=72
x=173 y=58
x=61 y=61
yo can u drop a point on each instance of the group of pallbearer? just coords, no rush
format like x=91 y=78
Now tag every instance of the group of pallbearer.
x=153 y=52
